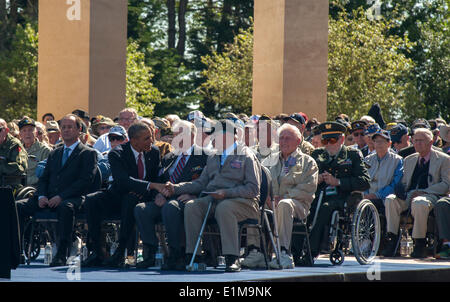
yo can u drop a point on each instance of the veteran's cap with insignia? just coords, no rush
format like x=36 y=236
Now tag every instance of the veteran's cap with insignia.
x=357 y=125
x=331 y=129
x=397 y=133
x=26 y=121
x=382 y=133
x=52 y=126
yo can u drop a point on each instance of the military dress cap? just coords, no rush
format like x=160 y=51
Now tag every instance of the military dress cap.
x=52 y=126
x=382 y=133
x=331 y=129
x=397 y=133
x=26 y=121
x=358 y=125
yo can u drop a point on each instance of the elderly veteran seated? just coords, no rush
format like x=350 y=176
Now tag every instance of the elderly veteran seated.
x=230 y=180
x=385 y=168
x=425 y=179
x=294 y=182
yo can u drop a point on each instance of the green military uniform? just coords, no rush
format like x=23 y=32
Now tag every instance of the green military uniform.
x=36 y=153
x=13 y=161
x=348 y=167
x=306 y=147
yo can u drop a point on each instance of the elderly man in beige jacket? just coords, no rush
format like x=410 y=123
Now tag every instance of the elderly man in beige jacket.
x=426 y=178
x=294 y=182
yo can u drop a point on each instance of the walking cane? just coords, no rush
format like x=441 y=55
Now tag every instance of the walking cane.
x=190 y=267
x=277 y=239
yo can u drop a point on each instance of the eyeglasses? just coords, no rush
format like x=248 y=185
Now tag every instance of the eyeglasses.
x=331 y=140
x=116 y=138
x=356 y=134
x=127 y=119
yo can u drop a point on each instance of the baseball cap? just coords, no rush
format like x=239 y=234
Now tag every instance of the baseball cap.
x=421 y=123
x=372 y=129
x=193 y=114
x=81 y=113
x=358 y=125
x=52 y=126
x=118 y=130
x=296 y=117
x=26 y=121
x=382 y=133
x=397 y=133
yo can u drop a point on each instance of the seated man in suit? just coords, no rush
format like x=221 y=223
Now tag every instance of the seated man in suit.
x=426 y=178
x=294 y=183
x=232 y=179
x=68 y=175
x=134 y=167
x=186 y=163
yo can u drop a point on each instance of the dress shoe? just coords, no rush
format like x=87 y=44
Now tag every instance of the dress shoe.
x=232 y=264
x=59 y=260
x=175 y=261
x=420 y=250
x=94 y=260
x=116 y=260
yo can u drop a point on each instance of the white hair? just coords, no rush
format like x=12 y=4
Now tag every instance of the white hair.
x=424 y=131
x=184 y=125
x=291 y=128
x=368 y=119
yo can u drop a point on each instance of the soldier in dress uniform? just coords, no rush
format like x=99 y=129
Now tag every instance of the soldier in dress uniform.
x=341 y=171
x=13 y=158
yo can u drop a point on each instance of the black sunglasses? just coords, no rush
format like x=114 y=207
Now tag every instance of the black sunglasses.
x=116 y=138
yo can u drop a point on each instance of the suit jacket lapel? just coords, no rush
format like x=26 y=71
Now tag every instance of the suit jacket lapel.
x=131 y=160
x=409 y=169
x=434 y=164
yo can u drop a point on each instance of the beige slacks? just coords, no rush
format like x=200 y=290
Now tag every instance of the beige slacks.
x=420 y=209
x=286 y=211
x=228 y=213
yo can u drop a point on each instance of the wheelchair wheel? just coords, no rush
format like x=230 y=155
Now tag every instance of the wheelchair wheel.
x=337 y=257
x=35 y=243
x=366 y=232
x=25 y=192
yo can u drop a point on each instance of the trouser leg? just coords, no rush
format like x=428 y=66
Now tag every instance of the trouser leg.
x=172 y=217
x=393 y=208
x=194 y=214
x=147 y=215
x=442 y=215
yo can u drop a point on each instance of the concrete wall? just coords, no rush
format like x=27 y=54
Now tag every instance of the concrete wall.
x=290 y=66
x=82 y=56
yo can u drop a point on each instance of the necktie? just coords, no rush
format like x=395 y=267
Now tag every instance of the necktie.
x=179 y=168
x=65 y=156
x=422 y=162
x=140 y=166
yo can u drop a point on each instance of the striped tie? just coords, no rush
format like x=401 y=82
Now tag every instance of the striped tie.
x=177 y=172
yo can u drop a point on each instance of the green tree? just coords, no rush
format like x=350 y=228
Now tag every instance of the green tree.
x=365 y=66
x=18 y=75
x=229 y=74
x=140 y=92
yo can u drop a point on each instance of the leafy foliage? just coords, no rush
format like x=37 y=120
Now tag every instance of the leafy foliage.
x=18 y=75
x=140 y=92
x=229 y=74
x=366 y=66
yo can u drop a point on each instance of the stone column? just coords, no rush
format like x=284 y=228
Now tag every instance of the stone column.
x=290 y=64
x=82 y=56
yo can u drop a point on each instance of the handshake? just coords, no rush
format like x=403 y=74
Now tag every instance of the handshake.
x=166 y=189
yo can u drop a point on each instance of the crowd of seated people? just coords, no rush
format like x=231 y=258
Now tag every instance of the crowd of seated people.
x=169 y=169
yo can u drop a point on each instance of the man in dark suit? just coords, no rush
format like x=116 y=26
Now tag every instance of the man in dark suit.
x=134 y=167
x=186 y=163
x=68 y=175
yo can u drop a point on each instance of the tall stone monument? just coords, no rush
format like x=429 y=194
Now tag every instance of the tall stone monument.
x=82 y=56
x=290 y=64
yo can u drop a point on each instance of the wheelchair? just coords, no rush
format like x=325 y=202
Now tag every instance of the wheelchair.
x=355 y=229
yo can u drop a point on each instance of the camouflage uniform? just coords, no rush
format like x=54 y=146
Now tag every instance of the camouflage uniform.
x=13 y=161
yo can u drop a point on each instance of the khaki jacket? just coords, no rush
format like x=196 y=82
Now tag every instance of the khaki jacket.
x=36 y=153
x=438 y=174
x=300 y=183
x=240 y=176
